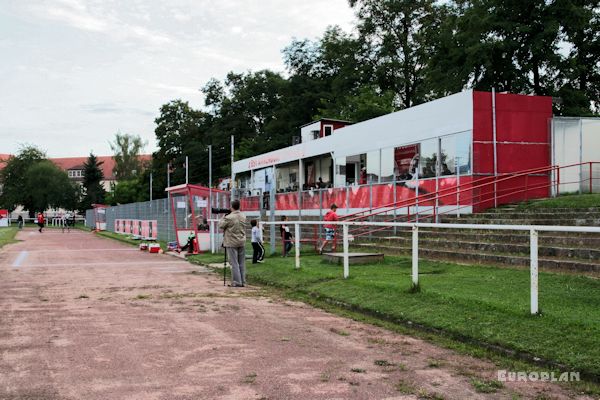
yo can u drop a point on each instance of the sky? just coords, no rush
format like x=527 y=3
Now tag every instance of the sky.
x=75 y=72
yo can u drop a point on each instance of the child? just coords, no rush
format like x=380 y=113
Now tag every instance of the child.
x=257 y=243
x=286 y=236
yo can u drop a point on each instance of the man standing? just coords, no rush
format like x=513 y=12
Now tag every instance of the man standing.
x=234 y=239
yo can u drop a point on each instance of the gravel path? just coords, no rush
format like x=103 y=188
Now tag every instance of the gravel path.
x=84 y=317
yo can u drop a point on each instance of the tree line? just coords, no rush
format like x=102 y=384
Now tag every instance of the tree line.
x=400 y=53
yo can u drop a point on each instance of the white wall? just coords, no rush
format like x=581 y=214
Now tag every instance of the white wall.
x=440 y=117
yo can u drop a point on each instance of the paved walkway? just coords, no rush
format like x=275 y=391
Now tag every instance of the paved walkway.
x=84 y=317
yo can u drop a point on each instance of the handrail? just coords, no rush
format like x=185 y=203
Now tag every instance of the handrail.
x=485 y=197
x=454 y=190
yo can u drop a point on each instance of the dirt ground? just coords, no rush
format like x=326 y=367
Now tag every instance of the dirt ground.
x=84 y=317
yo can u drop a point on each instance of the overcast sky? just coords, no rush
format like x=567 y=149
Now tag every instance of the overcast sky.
x=74 y=72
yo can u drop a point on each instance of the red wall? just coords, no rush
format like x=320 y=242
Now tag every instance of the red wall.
x=522 y=132
x=522 y=143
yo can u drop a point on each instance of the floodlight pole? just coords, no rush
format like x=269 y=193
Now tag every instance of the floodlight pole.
x=232 y=185
x=150 y=186
x=186 y=170
x=210 y=181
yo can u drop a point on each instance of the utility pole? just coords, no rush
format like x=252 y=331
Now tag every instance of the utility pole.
x=210 y=181
x=232 y=174
x=186 y=169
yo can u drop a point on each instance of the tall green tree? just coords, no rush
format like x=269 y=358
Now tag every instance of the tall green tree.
x=179 y=133
x=396 y=32
x=579 y=76
x=49 y=187
x=94 y=192
x=13 y=190
x=126 y=153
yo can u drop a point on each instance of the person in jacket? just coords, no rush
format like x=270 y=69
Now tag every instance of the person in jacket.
x=331 y=216
x=41 y=221
x=234 y=239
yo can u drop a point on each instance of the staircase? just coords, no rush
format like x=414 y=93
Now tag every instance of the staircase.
x=578 y=252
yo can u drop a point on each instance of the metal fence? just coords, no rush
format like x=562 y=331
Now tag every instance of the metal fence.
x=533 y=243
x=159 y=210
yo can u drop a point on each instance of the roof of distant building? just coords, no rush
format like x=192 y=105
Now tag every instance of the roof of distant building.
x=76 y=163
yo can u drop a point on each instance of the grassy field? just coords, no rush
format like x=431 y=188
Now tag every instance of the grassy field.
x=7 y=235
x=482 y=305
x=564 y=201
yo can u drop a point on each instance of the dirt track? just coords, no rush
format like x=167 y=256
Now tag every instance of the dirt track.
x=83 y=317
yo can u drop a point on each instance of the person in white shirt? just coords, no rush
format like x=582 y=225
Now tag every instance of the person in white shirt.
x=257 y=243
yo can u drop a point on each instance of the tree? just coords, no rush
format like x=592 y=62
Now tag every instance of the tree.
x=94 y=192
x=124 y=192
x=126 y=149
x=179 y=132
x=49 y=187
x=579 y=77
x=12 y=178
x=395 y=32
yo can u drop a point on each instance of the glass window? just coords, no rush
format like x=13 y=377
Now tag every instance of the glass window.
x=448 y=155
x=387 y=164
x=463 y=152
x=428 y=158
x=373 y=165
x=340 y=171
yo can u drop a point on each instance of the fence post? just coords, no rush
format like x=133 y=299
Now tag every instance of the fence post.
x=297 y=239
x=591 y=187
x=533 y=244
x=346 y=255
x=415 y=255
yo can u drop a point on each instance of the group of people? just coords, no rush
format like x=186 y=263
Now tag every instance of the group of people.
x=234 y=240
x=67 y=221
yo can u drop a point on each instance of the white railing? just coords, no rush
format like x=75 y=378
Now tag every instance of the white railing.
x=533 y=243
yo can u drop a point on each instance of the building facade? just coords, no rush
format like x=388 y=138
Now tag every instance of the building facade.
x=454 y=140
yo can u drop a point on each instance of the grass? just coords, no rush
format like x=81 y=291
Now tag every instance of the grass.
x=563 y=201
x=474 y=304
x=485 y=386
x=7 y=235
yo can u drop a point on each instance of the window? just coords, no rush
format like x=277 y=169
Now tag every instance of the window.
x=429 y=158
x=455 y=150
x=327 y=130
x=315 y=134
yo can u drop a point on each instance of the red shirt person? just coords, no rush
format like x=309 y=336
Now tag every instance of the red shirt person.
x=331 y=216
x=40 y=221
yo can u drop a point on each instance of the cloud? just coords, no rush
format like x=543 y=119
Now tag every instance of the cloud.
x=112 y=108
x=77 y=14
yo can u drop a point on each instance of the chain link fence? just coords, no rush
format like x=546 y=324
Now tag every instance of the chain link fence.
x=159 y=210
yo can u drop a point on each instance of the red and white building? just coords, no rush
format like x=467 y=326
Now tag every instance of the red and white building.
x=458 y=139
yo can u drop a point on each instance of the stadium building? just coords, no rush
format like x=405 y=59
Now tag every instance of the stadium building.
x=453 y=142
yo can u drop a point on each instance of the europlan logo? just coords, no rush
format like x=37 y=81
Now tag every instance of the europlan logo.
x=535 y=376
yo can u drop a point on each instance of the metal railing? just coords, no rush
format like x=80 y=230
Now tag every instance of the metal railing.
x=533 y=243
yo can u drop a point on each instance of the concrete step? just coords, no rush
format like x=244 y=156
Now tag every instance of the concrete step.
x=572 y=240
x=468 y=257
x=523 y=221
x=536 y=215
x=584 y=254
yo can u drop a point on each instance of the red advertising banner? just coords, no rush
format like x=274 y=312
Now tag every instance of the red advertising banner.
x=405 y=158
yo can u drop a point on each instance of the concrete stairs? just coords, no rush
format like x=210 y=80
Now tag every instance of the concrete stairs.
x=579 y=252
